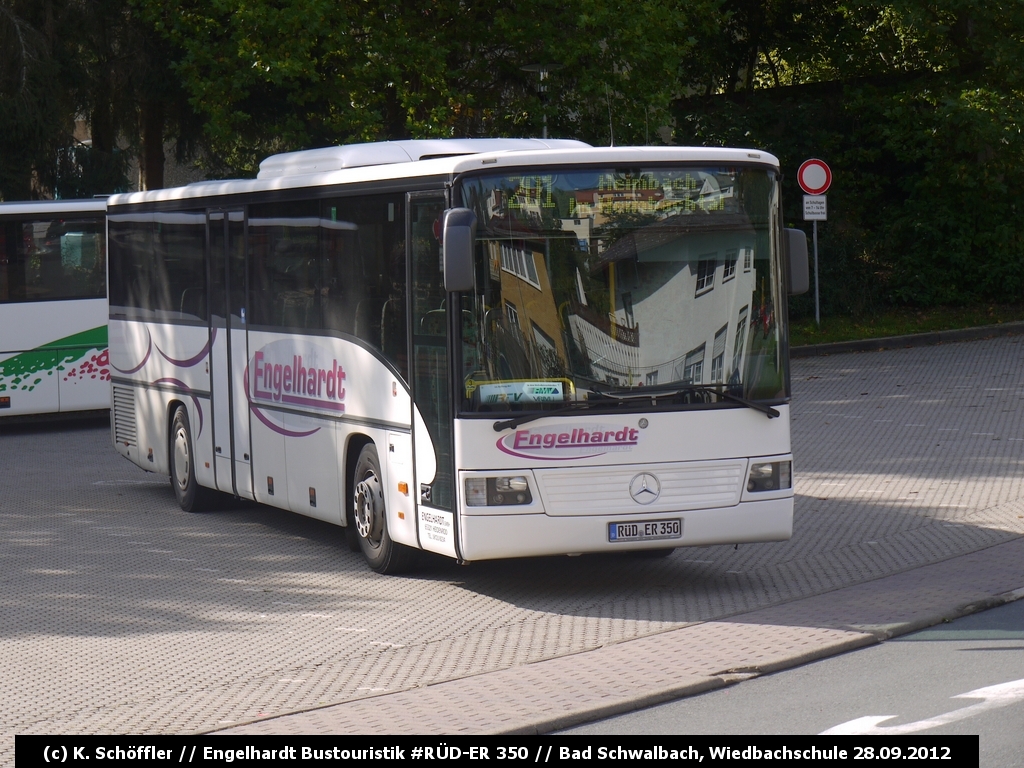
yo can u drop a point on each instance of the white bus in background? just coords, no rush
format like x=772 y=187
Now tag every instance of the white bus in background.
x=53 y=307
x=480 y=348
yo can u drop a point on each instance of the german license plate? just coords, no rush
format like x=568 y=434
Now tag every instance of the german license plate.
x=648 y=530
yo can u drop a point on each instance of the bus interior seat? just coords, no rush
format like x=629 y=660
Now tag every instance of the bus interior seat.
x=432 y=323
x=296 y=311
x=392 y=327
x=334 y=315
x=193 y=302
x=368 y=317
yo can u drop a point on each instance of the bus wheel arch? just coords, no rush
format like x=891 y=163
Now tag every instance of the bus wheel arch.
x=369 y=516
x=353 y=448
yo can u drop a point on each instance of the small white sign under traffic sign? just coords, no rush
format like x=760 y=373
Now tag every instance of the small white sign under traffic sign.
x=815 y=208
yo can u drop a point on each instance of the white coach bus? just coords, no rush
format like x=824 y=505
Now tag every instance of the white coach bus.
x=53 y=307
x=481 y=348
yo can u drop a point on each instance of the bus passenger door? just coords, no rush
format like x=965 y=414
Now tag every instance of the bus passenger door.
x=229 y=352
x=432 y=415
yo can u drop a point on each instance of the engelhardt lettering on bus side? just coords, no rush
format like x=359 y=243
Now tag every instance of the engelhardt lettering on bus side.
x=297 y=380
x=581 y=442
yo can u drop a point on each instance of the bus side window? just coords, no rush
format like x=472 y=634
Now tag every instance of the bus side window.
x=137 y=245
x=394 y=336
x=8 y=257
x=259 y=284
x=285 y=272
x=182 y=245
x=363 y=264
x=335 y=267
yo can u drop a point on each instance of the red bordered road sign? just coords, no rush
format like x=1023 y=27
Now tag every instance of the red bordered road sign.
x=814 y=176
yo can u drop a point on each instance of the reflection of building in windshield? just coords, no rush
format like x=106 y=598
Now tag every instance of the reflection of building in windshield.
x=528 y=317
x=527 y=201
x=651 y=196
x=612 y=349
x=679 y=291
x=624 y=277
x=581 y=229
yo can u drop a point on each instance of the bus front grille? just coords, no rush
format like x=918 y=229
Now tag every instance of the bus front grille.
x=680 y=486
x=125 y=431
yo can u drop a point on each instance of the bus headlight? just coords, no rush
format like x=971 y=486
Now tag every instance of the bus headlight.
x=497 y=491
x=772 y=476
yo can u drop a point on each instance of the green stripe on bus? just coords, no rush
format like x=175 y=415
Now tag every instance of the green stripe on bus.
x=94 y=338
x=20 y=371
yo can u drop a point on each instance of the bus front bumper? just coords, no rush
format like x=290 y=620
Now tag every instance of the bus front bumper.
x=489 y=537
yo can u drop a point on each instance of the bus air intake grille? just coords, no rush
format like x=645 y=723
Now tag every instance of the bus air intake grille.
x=605 y=490
x=125 y=431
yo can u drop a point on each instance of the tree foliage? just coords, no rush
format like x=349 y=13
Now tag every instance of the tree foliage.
x=94 y=61
x=297 y=73
x=918 y=105
x=34 y=120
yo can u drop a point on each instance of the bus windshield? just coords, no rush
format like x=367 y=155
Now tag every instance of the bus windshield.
x=598 y=285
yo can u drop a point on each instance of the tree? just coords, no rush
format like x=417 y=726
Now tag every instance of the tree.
x=919 y=109
x=35 y=116
x=93 y=60
x=124 y=83
x=271 y=76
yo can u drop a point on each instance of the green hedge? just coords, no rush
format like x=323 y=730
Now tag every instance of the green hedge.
x=924 y=208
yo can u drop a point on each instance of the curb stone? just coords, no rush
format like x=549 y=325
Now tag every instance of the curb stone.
x=909 y=340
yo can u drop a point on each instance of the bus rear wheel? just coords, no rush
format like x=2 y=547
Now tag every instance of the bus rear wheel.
x=370 y=517
x=191 y=497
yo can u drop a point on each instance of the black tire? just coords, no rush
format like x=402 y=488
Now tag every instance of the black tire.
x=191 y=497
x=370 y=518
x=351 y=536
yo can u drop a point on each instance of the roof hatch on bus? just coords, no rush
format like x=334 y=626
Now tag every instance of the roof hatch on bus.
x=388 y=152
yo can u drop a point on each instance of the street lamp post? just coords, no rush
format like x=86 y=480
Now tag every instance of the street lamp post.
x=542 y=70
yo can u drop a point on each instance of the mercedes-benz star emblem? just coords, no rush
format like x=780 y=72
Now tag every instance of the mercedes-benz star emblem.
x=645 y=488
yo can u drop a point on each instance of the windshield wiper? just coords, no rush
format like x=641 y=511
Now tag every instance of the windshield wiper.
x=654 y=396
x=767 y=410
x=513 y=423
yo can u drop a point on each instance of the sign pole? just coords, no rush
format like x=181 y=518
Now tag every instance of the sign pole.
x=814 y=178
x=817 y=311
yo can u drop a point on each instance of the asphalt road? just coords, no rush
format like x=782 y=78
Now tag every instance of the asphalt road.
x=936 y=681
x=120 y=613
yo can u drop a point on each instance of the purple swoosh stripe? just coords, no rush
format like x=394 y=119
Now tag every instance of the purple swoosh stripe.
x=512 y=452
x=149 y=351
x=192 y=360
x=259 y=414
x=188 y=389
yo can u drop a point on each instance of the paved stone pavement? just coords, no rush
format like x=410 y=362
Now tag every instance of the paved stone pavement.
x=119 y=613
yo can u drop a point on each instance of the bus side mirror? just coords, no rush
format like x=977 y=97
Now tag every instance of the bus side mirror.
x=799 y=270
x=458 y=240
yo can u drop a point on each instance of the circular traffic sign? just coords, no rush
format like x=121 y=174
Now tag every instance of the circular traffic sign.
x=814 y=176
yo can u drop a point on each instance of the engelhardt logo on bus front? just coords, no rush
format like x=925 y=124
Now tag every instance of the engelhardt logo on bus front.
x=582 y=442
x=294 y=381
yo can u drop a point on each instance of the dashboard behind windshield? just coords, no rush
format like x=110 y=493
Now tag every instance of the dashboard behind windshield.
x=601 y=283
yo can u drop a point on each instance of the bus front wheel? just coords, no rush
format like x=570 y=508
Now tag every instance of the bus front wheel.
x=191 y=498
x=370 y=517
